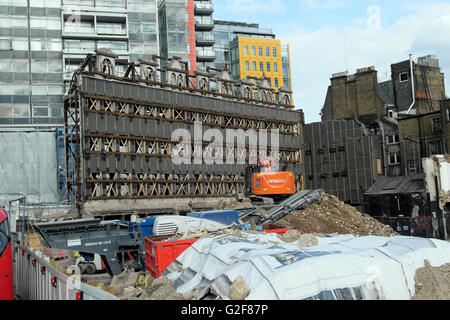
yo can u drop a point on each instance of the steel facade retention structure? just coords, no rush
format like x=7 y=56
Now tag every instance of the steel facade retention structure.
x=119 y=136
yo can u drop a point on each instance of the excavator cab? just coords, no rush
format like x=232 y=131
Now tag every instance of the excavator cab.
x=261 y=181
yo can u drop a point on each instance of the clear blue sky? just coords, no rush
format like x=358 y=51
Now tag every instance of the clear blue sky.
x=329 y=36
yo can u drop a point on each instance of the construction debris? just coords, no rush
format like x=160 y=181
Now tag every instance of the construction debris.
x=232 y=204
x=239 y=289
x=331 y=216
x=432 y=283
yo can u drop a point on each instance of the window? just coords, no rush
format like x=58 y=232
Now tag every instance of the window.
x=21 y=89
x=275 y=67
x=148 y=28
x=261 y=66
x=5 y=66
x=274 y=52
x=394 y=159
x=246 y=50
x=247 y=66
x=268 y=66
x=39 y=90
x=19 y=22
x=254 y=66
x=20 y=44
x=276 y=82
x=260 y=51
x=40 y=111
x=267 y=52
x=392 y=139
x=391 y=114
x=403 y=76
x=436 y=124
x=56 y=112
x=21 y=112
x=253 y=51
x=5 y=44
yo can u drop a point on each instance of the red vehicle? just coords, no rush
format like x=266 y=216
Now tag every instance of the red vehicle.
x=6 y=272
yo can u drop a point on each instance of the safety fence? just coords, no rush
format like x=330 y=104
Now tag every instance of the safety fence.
x=36 y=279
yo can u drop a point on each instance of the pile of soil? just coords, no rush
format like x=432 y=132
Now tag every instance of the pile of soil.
x=432 y=283
x=332 y=216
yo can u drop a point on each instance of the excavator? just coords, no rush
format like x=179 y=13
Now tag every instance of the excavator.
x=262 y=184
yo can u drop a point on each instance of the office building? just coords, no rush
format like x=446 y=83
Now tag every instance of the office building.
x=43 y=41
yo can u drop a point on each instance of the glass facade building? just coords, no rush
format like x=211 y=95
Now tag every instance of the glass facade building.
x=204 y=36
x=225 y=32
x=31 y=65
x=173 y=29
x=43 y=41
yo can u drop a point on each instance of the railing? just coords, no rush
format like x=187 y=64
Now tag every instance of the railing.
x=205 y=38
x=112 y=31
x=36 y=279
x=206 y=7
x=207 y=22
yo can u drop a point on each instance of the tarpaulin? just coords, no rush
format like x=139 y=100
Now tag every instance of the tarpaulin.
x=339 y=267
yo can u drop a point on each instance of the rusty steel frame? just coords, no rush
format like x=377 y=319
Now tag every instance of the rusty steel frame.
x=102 y=105
x=145 y=185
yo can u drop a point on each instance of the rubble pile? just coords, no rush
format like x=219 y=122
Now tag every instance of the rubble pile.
x=131 y=285
x=331 y=216
x=432 y=283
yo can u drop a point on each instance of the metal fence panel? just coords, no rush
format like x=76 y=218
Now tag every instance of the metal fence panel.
x=33 y=276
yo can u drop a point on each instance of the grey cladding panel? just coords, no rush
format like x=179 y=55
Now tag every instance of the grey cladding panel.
x=117 y=90
x=109 y=87
x=158 y=95
x=142 y=93
x=165 y=97
x=127 y=91
x=111 y=124
x=134 y=92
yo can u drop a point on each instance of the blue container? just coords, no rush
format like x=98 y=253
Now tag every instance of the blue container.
x=227 y=217
x=147 y=226
x=142 y=225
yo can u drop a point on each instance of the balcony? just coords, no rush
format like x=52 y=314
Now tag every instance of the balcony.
x=203 y=8
x=111 y=31
x=205 y=39
x=79 y=28
x=206 y=55
x=202 y=23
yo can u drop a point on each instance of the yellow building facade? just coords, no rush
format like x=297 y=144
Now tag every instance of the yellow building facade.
x=260 y=56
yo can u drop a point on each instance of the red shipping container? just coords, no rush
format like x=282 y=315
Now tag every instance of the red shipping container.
x=159 y=254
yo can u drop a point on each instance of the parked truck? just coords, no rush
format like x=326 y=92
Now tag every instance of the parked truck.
x=6 y=266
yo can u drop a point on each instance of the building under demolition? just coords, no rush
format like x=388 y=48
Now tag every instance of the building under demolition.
x=341 y=157
x=120 y=142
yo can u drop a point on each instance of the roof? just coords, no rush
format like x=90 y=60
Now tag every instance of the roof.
x=397 y=185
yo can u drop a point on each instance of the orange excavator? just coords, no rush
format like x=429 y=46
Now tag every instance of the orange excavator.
x=262 y=182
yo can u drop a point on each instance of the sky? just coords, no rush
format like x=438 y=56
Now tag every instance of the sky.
x=331 y=36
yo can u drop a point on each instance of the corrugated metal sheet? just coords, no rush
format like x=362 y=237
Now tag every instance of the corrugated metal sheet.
x=28 y=167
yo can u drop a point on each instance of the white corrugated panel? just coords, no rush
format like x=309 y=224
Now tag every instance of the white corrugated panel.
x=28 y=167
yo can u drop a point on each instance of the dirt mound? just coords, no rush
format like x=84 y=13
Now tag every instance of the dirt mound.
x=432 y=283
x=330 y=215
